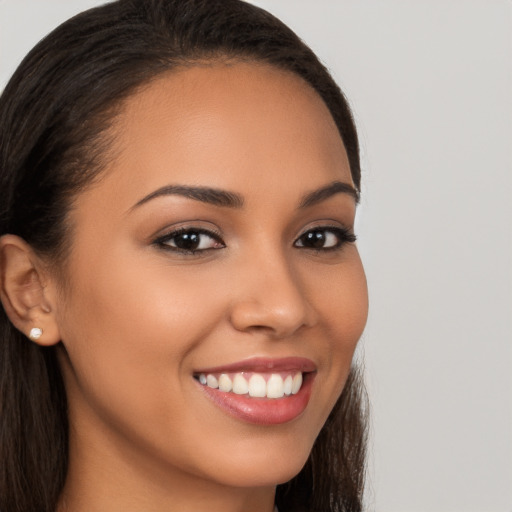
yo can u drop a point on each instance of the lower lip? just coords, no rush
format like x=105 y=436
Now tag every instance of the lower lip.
x=263 y=411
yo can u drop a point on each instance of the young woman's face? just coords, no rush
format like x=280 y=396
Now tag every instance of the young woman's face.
x=216 y=250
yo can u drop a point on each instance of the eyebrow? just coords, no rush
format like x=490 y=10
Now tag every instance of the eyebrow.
x=204 y=194
x=324 y=193
x=228 y=199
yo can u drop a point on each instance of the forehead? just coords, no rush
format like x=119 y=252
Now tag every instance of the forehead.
x=243 y=126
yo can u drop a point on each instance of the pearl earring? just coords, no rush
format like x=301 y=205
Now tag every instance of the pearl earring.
x=35 y=333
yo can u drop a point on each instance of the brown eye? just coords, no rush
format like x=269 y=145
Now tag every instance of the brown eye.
x=314 y=239
x=190 y=241
x=325 y=238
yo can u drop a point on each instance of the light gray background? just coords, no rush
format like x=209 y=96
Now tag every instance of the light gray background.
x=430 y=82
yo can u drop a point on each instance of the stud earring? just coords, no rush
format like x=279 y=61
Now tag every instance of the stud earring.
x=35 y=333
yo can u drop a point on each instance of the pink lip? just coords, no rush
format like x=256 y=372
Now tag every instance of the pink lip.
x=264 y=411
x=263 y=364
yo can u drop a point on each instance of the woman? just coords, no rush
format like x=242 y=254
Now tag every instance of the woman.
x=181 y=291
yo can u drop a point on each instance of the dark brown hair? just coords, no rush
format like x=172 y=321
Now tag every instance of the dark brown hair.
x=54 y=116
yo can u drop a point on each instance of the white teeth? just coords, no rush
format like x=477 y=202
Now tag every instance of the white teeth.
x=212 y=382
x=287 y=387
x=275 y=386
x=257 y=386
x=225 y=383
x=297 y=383
x=240 y=386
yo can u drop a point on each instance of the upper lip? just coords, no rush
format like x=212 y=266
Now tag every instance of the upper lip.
x=263 y=365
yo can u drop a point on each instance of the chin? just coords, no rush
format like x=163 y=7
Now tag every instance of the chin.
x=267 y=469
x=268 y=477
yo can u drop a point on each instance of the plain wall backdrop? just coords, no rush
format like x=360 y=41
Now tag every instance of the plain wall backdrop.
x=430 y=82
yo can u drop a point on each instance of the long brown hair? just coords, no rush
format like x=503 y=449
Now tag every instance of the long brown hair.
x=54 y=114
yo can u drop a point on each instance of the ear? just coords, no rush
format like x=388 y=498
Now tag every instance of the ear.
x=25 y=293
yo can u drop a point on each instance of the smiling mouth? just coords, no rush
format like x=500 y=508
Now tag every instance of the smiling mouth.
x=254 y=384
x=260 y=391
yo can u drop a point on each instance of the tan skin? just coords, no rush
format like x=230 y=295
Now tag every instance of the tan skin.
x=137 y=318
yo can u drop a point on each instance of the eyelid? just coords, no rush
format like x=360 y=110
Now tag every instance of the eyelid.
x=183 y=228
x=345 y=235
x=200 y=225
x=328 y=224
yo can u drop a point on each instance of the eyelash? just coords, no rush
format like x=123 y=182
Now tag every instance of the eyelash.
x=163 y=241
x=343 y=236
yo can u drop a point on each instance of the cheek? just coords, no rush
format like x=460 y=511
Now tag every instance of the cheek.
x=129 y=330
x=342 y=304
x=130 y=303
x=341 y=299
x=131 y=338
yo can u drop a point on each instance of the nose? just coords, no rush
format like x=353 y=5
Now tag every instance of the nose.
x=272 y=298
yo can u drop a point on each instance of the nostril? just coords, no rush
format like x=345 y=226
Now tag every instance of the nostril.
x=275 y=322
